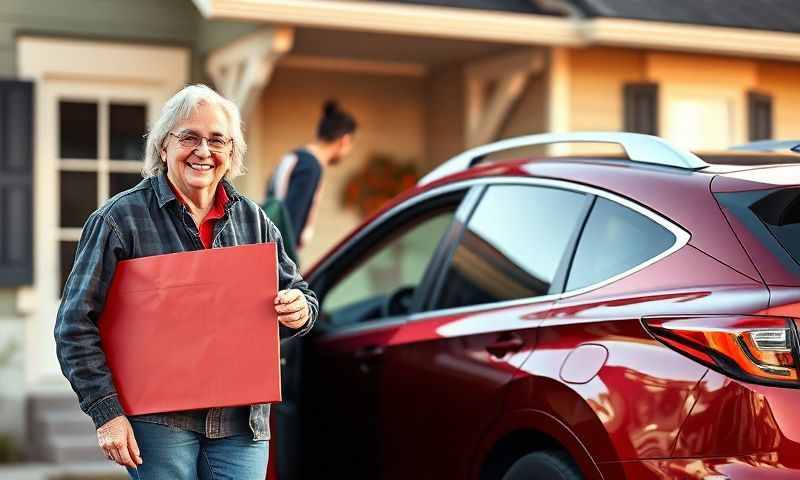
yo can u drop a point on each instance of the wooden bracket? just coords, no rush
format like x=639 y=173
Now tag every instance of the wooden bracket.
x=492 y=88
x=242 y=69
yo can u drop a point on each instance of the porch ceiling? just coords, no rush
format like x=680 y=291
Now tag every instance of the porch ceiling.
x=426 y=52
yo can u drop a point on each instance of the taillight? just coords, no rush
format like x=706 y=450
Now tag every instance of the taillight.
x=758 y=349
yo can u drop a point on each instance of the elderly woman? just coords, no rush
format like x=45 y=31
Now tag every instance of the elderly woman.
x=185 y=202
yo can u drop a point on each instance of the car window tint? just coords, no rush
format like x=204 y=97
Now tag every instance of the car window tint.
x=615 y=239
x=773 y=216
x=394 y=267
x=512 y=245
x=780 y=213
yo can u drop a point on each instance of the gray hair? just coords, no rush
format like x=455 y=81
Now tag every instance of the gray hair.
x=179 y=108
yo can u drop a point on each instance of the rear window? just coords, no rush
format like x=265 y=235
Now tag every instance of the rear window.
x=615 y=240
x=773 y=215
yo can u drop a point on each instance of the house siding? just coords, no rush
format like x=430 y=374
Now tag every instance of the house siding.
x=172 y=22
x=780 y=81
x=598 y=77
x=7 y=302
x=597 y=80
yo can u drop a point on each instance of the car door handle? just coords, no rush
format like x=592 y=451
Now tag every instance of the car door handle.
x=505 y=345
x=366 y=353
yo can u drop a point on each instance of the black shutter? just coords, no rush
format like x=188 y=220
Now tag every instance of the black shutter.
x=16 y=183
x=760 y=116
x=641 y=108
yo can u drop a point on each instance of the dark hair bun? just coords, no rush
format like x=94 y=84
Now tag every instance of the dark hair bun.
x=335 y=122
x=330 y=108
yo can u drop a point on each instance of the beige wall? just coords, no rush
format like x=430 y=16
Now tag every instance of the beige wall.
x=445 y=113
x=596 y=80
x=597 y=77
x=390 y=113
x=719 y=83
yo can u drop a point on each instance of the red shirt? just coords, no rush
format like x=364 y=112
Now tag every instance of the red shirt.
x=216 y=212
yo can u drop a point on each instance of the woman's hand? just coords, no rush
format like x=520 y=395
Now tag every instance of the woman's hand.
x=292 y=308
x=116 y=439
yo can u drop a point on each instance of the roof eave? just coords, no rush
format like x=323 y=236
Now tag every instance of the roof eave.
x=692 y=38
x=504 y=27
x=403 y=19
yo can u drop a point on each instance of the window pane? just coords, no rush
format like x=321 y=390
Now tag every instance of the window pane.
x=513 y=245
x=78 y=197
x=127 y=126
x=615 y=240
x=397 y=265
x=67 y=258
x=77 y=130
x=773 y=216
x=120 y=182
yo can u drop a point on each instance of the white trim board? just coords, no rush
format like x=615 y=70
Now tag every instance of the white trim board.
x=41 y=58
x=397 y=18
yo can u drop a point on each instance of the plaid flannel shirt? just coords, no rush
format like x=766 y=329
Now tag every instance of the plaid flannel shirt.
x=148 y=220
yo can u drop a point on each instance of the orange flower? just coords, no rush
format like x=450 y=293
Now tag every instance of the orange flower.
x=378 y=182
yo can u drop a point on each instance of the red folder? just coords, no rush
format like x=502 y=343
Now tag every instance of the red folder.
x=194 y=330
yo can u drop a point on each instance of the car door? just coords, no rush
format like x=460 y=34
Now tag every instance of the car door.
x=367 y=290
x=446 y=379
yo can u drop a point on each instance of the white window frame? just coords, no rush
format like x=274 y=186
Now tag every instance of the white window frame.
x=100 y=71
x=103 y=96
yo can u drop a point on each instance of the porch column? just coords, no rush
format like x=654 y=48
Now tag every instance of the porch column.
x=492 y=88
x=242 y=69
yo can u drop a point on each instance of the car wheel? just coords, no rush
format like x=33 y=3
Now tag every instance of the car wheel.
x=545 y=465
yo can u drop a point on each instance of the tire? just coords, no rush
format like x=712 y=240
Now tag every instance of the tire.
x=544 y=465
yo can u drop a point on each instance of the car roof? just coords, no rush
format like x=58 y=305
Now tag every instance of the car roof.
x=603 y=172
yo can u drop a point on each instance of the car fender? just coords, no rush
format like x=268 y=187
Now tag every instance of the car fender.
x=540 y=422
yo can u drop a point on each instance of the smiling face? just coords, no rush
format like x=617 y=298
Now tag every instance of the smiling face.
x=195 y=169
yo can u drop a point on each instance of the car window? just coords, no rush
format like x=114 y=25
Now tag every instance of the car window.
x=512 y=245
x=615 y=240
x=390 y=273
x=773 y=216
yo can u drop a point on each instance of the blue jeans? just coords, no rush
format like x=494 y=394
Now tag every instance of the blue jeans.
x=173 y=454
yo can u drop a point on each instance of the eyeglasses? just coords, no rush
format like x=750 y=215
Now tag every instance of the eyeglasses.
x=193 y=140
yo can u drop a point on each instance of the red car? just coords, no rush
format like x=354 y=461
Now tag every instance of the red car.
x=559 y=318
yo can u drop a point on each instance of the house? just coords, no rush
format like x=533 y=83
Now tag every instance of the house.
x=425 y=78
